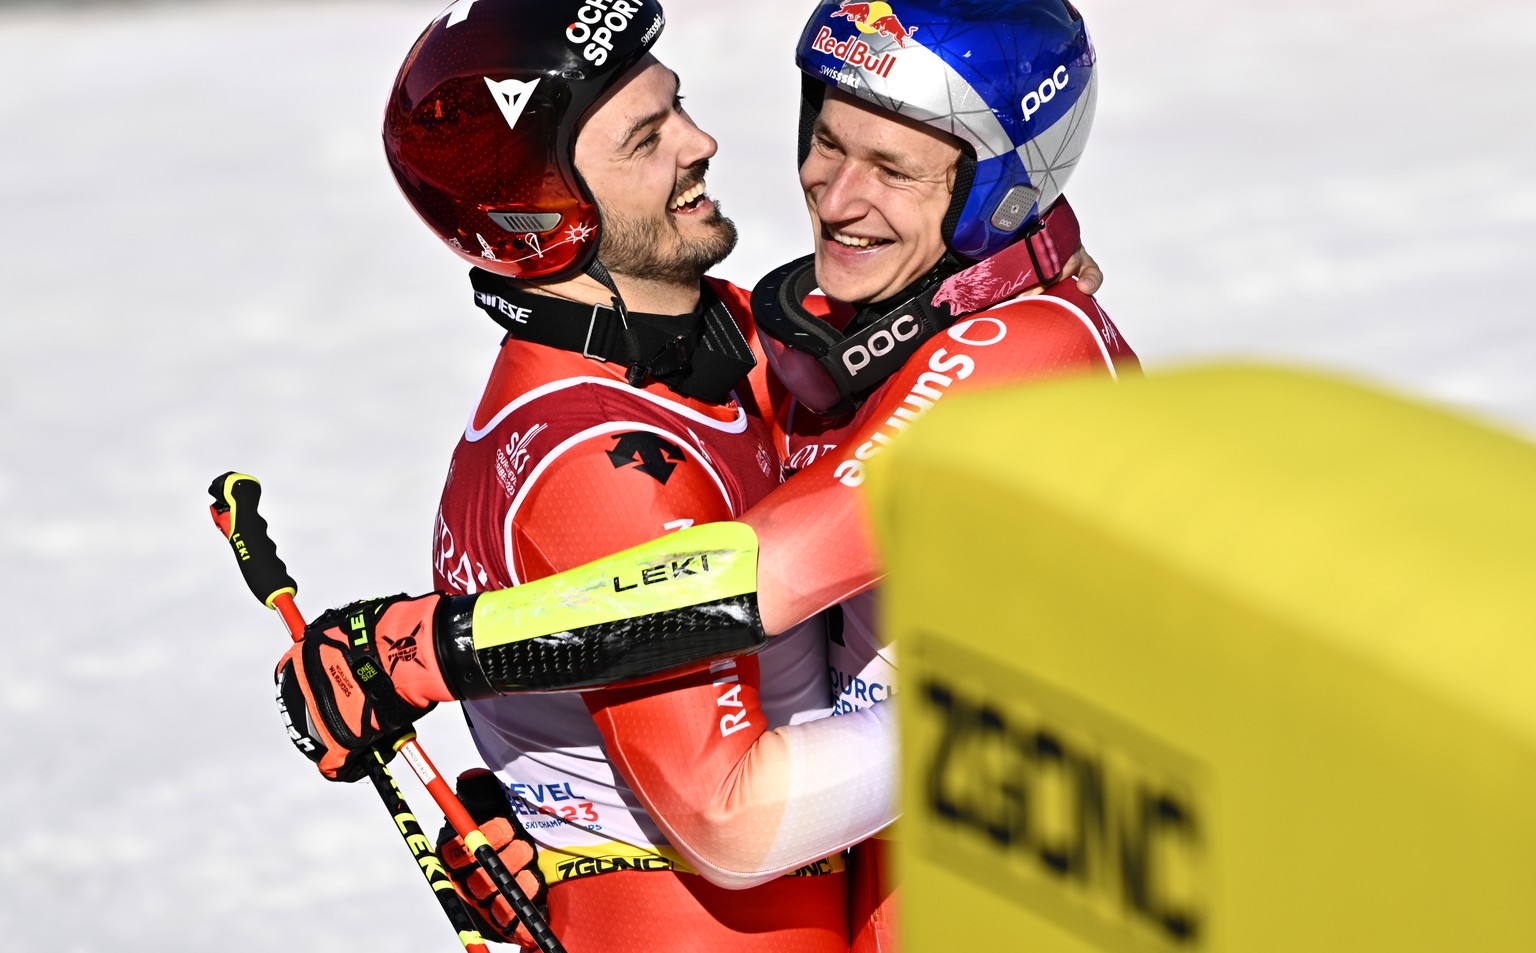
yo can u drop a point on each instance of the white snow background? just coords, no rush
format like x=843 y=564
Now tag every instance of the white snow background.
x=205 y=265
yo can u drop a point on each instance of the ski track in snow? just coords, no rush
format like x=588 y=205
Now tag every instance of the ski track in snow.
x=204 y=265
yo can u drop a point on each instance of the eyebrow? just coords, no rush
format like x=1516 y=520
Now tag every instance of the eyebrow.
x=891 y=158
x=635 y=128
x=885 y=156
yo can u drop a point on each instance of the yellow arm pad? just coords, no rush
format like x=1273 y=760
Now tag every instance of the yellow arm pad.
x=696 y=565
x=673 y=604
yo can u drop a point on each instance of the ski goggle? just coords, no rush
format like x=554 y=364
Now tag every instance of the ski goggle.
x=805 y=377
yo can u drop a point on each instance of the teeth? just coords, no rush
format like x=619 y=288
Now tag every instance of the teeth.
x=856 y=241
x=688 y=196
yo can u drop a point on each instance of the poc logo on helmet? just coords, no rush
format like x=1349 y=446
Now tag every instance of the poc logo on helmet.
x=880 y=344
x=1054 y=83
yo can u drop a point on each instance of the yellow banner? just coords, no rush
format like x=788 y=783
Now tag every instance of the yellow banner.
x=1231 y=659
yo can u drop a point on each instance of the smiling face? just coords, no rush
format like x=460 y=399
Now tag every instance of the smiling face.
x=644 y=160
x=877 y=187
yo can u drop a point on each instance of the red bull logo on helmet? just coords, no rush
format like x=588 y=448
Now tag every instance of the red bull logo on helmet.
x=854 y=52
x=874 y=18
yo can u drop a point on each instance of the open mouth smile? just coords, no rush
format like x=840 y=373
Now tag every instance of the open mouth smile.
x=690 y=199
x=857 y=241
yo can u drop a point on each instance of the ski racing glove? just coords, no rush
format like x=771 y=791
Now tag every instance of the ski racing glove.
x=364 y=673
x=487 y=802
x=334 y=688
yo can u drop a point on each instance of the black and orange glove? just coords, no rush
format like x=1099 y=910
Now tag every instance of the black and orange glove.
x=487 y=802
x=360 y=677
x=363 y=674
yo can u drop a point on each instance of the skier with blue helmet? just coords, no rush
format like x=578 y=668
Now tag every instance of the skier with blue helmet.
x=936 y=136
x=1012 y=87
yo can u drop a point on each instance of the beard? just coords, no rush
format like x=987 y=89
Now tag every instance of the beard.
x=655 y=249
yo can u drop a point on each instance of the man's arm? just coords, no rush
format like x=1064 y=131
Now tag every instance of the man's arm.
x=650 y=610
x=742 y=803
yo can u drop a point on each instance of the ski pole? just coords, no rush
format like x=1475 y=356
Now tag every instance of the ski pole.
x=234 y=511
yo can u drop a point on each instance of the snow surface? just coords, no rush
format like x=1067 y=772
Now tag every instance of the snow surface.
x=204 y=265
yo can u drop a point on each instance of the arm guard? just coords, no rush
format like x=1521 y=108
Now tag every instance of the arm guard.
x=672 y=605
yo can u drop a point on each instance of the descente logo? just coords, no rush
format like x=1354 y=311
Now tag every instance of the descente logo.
x=943 y=370
x=597 y=21
x=1054 y=83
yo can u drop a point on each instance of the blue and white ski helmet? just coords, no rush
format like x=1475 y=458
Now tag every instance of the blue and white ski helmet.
x=1013 y=80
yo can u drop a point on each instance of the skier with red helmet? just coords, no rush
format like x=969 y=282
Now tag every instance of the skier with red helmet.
x=545 y=144
x=606 y=423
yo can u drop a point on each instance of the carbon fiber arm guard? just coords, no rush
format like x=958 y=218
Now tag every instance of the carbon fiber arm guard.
x=669 y=606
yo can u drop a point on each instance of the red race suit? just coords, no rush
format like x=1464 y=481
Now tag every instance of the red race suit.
x=563 y=462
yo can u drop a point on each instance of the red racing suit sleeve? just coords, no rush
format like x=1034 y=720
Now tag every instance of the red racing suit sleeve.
x=816 y=548
x=743 y=803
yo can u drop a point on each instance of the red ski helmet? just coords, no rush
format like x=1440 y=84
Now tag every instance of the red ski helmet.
x=480 y=130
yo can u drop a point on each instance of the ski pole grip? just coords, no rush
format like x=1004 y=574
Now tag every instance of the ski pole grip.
x=235 y=498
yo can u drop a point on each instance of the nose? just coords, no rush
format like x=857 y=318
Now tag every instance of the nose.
x=836 y=186
x=698 y=145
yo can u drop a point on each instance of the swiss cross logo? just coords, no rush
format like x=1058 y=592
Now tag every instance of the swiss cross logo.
x=456 y=12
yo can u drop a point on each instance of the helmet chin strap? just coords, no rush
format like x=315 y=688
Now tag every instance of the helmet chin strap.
x=596 y=271
x=702 y=354
x=636 y=372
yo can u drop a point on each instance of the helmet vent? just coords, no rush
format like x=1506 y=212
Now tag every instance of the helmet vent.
x=1014 y=208
x=522 y=223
